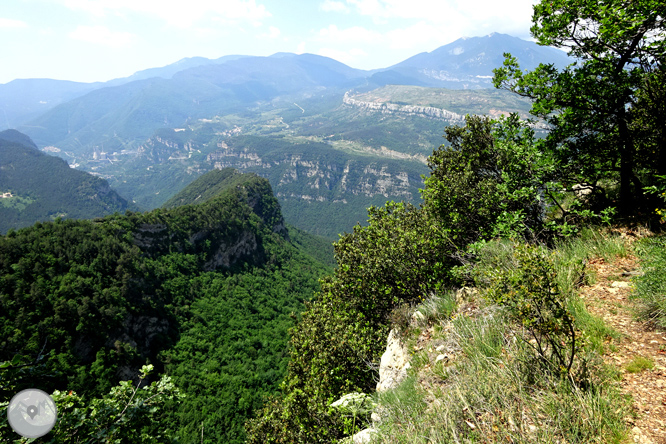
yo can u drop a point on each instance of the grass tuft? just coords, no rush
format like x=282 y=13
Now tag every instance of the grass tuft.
x=650 y=291
x=638 y=364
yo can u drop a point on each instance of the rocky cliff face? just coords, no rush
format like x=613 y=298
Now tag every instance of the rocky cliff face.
x=314 y=179
x=410 y=110
x=216 y=227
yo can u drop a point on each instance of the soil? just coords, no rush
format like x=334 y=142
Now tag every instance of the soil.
x=609 y=298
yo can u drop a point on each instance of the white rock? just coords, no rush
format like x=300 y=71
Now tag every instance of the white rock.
x=417 y=316
x=440 y=348
x=441 y=358
x=393 y=365
x=620 y=284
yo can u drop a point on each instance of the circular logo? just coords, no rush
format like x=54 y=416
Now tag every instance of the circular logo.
x=32 y=413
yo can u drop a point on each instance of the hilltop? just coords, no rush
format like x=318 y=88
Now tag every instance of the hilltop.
x=202 y=291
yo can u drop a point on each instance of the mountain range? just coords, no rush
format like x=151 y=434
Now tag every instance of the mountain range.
x=331 y=139
x=463 y=64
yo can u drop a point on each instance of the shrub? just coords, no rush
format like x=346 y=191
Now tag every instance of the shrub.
x=400 y=257
x=527 y=288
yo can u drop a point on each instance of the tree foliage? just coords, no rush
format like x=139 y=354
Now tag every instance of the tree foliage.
x=202 y=292
x=619 y=46
x=128 y=413
x=493 y=179
x=399 y=257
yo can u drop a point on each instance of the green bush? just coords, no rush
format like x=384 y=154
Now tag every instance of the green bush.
x=130 y=412
x=490 y=181
x=527 y=289
x=399 y=258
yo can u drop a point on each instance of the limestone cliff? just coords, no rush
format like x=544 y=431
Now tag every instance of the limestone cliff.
x=411 y=110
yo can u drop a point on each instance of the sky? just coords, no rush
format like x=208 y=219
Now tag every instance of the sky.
x=99 y=40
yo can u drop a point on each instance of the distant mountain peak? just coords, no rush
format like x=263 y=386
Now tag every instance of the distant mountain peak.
x=468 y=62
x=283 y=54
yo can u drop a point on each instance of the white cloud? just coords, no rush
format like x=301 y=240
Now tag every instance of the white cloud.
x=11 y=23
x=301 y=48
x=177 y=12
x=101 y=35
x=405 y=27
x=206 y=33
x=419 y=35
x=333 y=6
x=476 y=17
x=357 y=34
x=272 y=33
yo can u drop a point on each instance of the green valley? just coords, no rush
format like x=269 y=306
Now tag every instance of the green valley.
x=326 y=158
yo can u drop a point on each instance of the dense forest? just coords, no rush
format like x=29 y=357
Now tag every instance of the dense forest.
x=203 y=292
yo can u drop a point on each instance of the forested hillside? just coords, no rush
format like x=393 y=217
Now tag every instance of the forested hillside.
x=41 y=187
x=203 y=292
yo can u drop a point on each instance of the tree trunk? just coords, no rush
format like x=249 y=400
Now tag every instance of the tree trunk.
x=626 y=147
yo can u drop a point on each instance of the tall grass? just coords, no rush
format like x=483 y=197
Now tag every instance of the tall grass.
x=487 y=398
x=493 y=392
x=650 y=290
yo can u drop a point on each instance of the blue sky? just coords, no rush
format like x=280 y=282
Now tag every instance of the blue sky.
x=98 y=40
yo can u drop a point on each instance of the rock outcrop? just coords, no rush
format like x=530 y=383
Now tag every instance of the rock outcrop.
x=410 y=110
x=394 y=363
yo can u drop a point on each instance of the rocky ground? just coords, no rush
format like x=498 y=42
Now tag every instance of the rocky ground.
x=609 y=298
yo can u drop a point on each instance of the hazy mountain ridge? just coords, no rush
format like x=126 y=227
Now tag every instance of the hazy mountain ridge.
x=467 y=63
x=204 y=88
x=22 y=100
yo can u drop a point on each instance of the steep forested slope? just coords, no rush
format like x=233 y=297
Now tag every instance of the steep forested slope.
x=44 y=187
x=204 y=292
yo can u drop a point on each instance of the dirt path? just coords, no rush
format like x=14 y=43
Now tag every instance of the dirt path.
x=609 y=299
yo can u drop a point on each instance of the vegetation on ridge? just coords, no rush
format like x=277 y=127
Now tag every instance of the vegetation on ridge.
x=44 y=187
x=203 y=292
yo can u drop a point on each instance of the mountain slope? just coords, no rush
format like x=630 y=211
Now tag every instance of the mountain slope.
x=115 y=117
x=204 y=292
x=22 y=100
x=468 y=62
x=44 y=187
